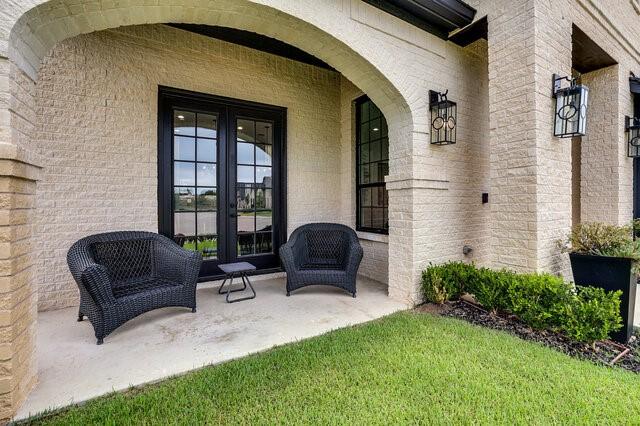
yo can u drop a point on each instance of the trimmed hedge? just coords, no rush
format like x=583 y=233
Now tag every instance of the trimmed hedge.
x=542 y=301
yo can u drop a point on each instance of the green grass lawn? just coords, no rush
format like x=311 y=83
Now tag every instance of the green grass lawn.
x=405 y=368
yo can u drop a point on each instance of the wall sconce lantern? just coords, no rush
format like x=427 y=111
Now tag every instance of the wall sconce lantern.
x=444 y=118
x=571 y=108
x=632 y=127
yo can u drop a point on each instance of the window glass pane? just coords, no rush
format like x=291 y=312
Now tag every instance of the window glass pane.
x=364 y=133
x=245 y=174
x=364 y=153
x=374 y=130
x=263 y=242
x=188 y=243
x=184 y=123
x=207 y=199
x=385 y=196
x=246 y=222
x=364 y=111
x=184 y=174
x=374 y=151
x=206 y=174
x=377 y=220
x=365 y=217
x=263 y=198
x=263 y=155
x=207 y=223
x=208 y=245
x=207 y=150
x=385 y=218
x=264 y=133
x=207 y=126
x=184 y=199
x=184 y=224
x=364 y=174
x=245 y=197
x=246 y=243
x=377 y=196
x=373 y=172
x=184 y=148
x=246 y=131
x=365 y=197
x=263 y=176
x=245 y=153
x=374 y=112
x=264 y=220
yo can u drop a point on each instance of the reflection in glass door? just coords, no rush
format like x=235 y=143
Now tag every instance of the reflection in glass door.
x=221 y=178
x=195 y=181
x=254 y=145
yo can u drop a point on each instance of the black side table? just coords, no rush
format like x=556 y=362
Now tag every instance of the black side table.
x=233 y=270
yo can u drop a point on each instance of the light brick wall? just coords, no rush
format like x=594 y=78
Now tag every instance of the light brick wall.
x=97 y=127
x=599 y=160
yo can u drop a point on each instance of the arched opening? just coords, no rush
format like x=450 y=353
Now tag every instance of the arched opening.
x=110 y=145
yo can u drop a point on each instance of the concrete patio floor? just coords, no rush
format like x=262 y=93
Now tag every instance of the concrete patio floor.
x=170 y=341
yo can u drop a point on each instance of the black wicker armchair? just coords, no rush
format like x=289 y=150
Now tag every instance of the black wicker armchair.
x=124 y=274
x=322 y=254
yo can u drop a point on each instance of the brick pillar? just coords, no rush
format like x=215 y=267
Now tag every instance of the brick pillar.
x=529 y=40
x=606 y=172
x=18 y=298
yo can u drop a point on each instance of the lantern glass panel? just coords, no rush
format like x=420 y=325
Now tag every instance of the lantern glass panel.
x=571 y=111
x=443 y=122
x=633 y=137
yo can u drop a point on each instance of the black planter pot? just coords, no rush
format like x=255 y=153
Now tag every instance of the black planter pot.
x=609 y=273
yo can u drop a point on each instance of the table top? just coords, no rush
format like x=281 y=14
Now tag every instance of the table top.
x=229 y=268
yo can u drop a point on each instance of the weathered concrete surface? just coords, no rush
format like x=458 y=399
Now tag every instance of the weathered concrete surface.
x=72 y=368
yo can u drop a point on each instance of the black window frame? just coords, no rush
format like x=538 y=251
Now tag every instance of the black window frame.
x=358 y=124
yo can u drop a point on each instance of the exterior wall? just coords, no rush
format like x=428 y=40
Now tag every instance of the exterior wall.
x=599 y=196
x=97 y=127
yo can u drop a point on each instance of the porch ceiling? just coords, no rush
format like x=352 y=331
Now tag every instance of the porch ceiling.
x=166 y=342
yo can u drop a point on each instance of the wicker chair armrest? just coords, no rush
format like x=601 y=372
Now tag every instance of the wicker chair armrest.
x=353 y=258
x=287 y=257
x=96 y=279
x=177 y=264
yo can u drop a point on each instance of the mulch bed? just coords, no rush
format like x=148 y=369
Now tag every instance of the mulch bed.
x=608 y=353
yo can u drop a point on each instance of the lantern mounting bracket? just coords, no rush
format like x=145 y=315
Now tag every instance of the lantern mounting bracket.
x=435 y=97
x=557 y=82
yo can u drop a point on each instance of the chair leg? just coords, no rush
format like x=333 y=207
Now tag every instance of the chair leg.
x=354 y=294
x=100 y=341
x=193 y=310
x=80 y=317
x=288 y=293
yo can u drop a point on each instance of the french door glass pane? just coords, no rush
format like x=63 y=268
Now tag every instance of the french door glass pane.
x=195 y=189
x=184 y=148
x=253 y=191
x=207 y=150
x=184 y=123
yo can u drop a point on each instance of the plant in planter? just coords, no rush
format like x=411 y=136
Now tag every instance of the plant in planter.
x=607 y=256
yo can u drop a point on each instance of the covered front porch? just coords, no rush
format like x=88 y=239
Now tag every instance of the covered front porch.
x=170 y=341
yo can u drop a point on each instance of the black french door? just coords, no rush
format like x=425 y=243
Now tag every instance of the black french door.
x=221 y=169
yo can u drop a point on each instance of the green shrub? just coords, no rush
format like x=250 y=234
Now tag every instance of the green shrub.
x=591 y=314
x=433 y=287
x=597 y=238
x=446 y=282
x=537 y=299
x=541 y=301
x=491 y=288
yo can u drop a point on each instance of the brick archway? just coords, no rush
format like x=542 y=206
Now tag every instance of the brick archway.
x=37 y=30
